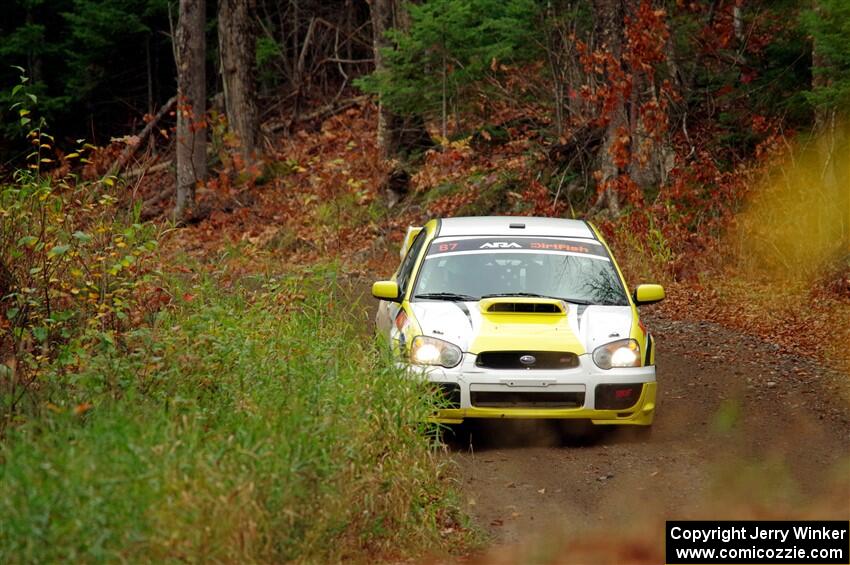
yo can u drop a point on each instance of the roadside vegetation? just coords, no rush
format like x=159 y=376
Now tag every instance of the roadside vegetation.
x=247 y=426
x=155 y=408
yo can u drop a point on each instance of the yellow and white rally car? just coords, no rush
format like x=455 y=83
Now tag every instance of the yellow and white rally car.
x=520 y=317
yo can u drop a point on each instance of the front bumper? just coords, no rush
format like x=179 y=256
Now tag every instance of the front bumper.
x=584 y=382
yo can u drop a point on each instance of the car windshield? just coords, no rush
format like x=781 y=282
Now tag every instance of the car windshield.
x=578 y=271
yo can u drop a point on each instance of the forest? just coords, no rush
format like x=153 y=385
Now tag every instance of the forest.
x=194 y=195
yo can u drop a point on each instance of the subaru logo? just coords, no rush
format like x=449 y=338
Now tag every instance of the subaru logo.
x=528 y=359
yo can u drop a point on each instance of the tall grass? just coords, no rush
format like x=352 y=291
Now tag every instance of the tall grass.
x=238 y=428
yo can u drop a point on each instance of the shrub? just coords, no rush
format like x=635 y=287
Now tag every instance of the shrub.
x=74 y=266
x=73 y=269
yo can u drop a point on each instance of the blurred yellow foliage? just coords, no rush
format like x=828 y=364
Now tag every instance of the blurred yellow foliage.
x=797 y=220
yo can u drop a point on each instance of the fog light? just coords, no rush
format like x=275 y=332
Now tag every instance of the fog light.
x=617 y=396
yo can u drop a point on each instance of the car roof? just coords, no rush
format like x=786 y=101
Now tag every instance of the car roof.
x=501 y=226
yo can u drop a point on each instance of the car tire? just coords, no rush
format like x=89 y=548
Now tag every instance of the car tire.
x=456 y=436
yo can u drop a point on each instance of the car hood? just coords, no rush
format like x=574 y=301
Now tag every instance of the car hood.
x=581 y=329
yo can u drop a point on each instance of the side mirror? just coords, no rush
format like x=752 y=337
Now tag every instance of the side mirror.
x=648 y=294
x=386 y=290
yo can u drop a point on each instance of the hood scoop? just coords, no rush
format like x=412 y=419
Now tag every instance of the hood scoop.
x=523 y=305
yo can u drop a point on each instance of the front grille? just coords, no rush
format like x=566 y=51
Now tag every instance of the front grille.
x=448 y=394
x=512 y=360
x=617 y=397
x=489 y=399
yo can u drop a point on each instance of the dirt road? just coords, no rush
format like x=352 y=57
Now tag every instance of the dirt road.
x=742 y=431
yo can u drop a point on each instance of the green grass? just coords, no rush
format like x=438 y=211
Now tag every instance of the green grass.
x=241 y=427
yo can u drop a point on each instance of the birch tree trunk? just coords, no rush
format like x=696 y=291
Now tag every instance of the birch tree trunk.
x=738 y=21
x=237 y=40
x=191 y=105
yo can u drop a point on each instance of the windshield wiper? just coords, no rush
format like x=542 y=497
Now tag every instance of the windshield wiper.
x=580 y=302
x=447 y=296
x=531 y=294
x=535 y=295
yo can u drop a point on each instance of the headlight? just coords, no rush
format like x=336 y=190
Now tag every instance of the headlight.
x=622 y=353
x=426 y=350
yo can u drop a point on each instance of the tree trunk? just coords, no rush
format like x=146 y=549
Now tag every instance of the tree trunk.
x=36 y=62
x=395 y=132
x=237 y=40
x=382 y=18
x=738 y=22
x=610 y=18
x=191 y=106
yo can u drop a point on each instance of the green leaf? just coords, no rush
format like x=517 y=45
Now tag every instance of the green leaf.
x=107 y=339
x=40 y=334
x=58 y=250
x=27 y=241
x=81 y=236
x=32 y=97
x=17 y=89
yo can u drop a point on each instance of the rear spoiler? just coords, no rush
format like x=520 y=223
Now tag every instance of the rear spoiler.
x=412 y=232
